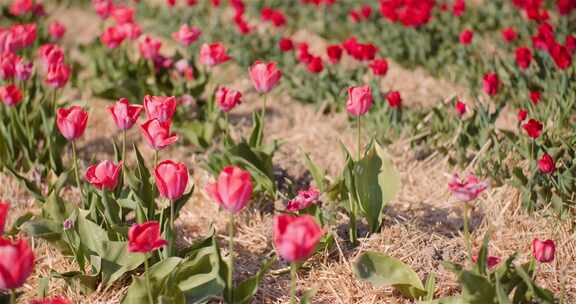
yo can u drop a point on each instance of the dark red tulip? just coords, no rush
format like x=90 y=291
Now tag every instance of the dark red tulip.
x=533 y=128
x=394 y=99
x=523 y=57
x=546 y=164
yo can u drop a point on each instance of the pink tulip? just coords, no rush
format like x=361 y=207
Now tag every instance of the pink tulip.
x=113 y=37
x=16 y=263
x=54 y=300
x=51 y=54
x=296 y=237
x=213 y=54
x=10 y=95
x=232 y=189
x=58 y=75
x=124 y=114
x=303 y=200
x=4 y=206
x=145 y=237
x=359 y=100
x=171 y=179
x=468 y=190
x=160 y=107
x=227 y=99
x=128 y=30
x=123 y=14
x=157 y=134
x=186 y=35
x=23 y=70
x=149 y=48
x=103 y=8
x=491 y=261
x=71 y=122
x=543 y=251
x=103 y=175
x=56 y=30
x=265 y=76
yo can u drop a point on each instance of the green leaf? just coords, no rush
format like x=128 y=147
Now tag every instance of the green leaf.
x=257 y=133
x=382 y=270
x=376 y=182
x=244 y=292
x=318 y=174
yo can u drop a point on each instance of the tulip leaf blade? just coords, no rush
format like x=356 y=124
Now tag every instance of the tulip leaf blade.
x=382 y=270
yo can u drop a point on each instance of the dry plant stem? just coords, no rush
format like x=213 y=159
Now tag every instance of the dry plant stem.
x=76 y=174
x=148 y=285
x=293 y=272
x=231 y=252
x=467 y=231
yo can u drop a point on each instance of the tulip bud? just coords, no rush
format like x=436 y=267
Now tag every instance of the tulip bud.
x=394 y=99
x=522 y=114
x=71 y=122
x=145 y=237
x=466 y=37
x=460 y=108
x=286 y=44
x=232 y=189
x=296 y=237
x=334 y=53
x=523 y=57
x=543 y=251
x=171 y=179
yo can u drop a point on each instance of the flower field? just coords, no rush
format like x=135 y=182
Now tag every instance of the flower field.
x=275 y=151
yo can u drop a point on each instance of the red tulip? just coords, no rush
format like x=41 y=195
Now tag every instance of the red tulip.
x=546 y=164
x=523 y=57
x=186 y=35
x=16 y=263
x=51 y=54
x=145 y=237
x=103 y=7
x=491 y=84
x=296 y=237
x=160 y=107
x=158 y=134
x=379 y=67
x=21 y=7
x=315 y=65
x=170 y=3
x=10 y=95
x=533 y=128
x=104 y=175
x=56 y=30
x=355 y=16
x=55 y=300
x=458 y=8
x=213 y=54
x=7 y=65
x=543 y=251
x=303 y=54
x=171 y=179
x=227 y=99
x=58 y=75
x=71 y=122
x=561 y=56
x=4 y=206
x=509 y=34
x=303 y=200
x=113 y=37
x=460 y=108
x=124 y=114
x=491 y=261
x=571 y=43
x=275 y=16
x=359 y=100
x=232 y=189
x=286 y=44
x=522 y=114
x=334 y=53
x=265 y=76
x=123 y=14
x=149 y=48
x=366 y=11
x=535 y=97
x=467 y=190
x=394 y=99
x=466 y=37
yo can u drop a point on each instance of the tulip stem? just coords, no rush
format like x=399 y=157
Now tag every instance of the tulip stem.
x=124 y=156
x=155 y=159
x=231 y=252
x=147 y=277
x=359 y=124
x=172 y=231
x=227 y=131
x=76 y=174
x=467 y=232
x=264 y=111
x=293 y=272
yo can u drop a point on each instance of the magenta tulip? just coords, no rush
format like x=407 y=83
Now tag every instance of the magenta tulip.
x=543 y=251
x=71 y=122
x=232 y=189
x=103 y=175
x=157 y=134
x=124 y=113
x=160 y=107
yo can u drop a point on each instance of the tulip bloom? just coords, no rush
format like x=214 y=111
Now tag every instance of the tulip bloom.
x=533 y=128
x=334 y=53
x=58 y=75
x=394 y=99
x=213 y=54
x=124 y=113
x=227 y=99
x=4 y=206
x=359 y=100
x=123 y=14
x=51 y=54
x=103 y=8
x=491 y=261
x=315 y=65
x=296 y=237
x=16 y=263
x=522 y=114
x=171 y=179
x=379 y=67
x=303 y=200
x=460 y=108
x=286 y=44
x=71 y=122
x=149 y=48
x=55 y=300
x=10 y=95
x=466 y=37
x=491 y=84
x=546 y=164
x=160 y=107
x=145 y=237
x=509 y=34
x=535 y=97
x=113 y=37
x=467 y=190
x=157 y=134
x=523 y=57
x=56 y=30
x=103 y=175
x=265 y=76
x=232 y=189
x=186 y=35
x=23 y=70
x=543 y=251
